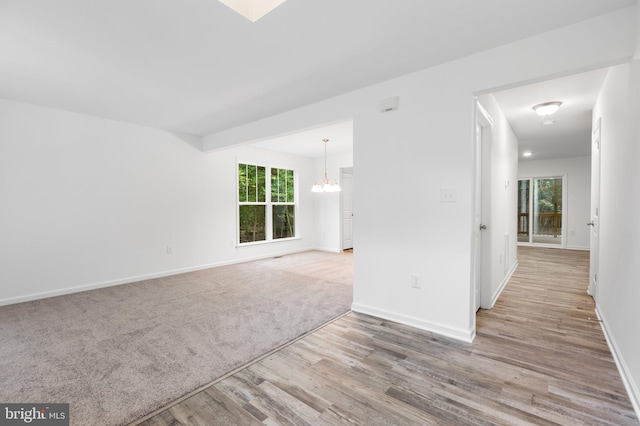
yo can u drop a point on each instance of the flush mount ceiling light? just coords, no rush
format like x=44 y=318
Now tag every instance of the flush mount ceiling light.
x=326 y=185
x=547 y=108
x=252 y=9
x=526 y=154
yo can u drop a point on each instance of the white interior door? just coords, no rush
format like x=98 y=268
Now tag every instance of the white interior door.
x=595 y=210
x=347 y=209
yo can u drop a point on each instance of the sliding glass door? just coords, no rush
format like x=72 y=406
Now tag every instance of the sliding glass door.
x=540 y=211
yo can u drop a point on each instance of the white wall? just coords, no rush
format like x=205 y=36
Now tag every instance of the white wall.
x=618 y=295
x=502 y=223
x=403 y=158
x=328 y=213
x=88 y=202
x=578 y=175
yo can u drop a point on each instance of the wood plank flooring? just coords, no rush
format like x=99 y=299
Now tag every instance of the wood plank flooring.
x=539 y=358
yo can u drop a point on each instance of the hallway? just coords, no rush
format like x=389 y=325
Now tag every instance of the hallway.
x=544 y=325
x=539 y=358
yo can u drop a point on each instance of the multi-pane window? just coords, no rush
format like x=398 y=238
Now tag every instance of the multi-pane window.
x=265 y=214
x=283 y=203
x=252 y=202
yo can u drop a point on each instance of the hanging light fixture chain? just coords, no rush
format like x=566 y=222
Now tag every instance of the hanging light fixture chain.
x=325 y=158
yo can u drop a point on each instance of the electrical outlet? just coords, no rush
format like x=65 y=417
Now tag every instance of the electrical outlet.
x=169 y=250
x=416 y=281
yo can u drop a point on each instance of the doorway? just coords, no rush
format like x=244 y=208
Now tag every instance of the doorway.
x=540 y=211
x=347 y=208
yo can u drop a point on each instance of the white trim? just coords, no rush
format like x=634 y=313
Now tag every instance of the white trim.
x=498 y=292
x=445 y=330
x=583 y=248
x=328 y=249
x=261 y=242
x=128 y=280
x=483 y=119
x=553 y=246
x=627 y=379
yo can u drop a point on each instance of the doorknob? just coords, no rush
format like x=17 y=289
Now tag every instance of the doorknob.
x=483 y=227
x=591 y=224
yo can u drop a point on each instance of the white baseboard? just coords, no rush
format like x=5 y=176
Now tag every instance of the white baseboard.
x=127 y=280
x=578 y=248
x=496 y=294
x=445 y=330
x=328 y=249
x=629 y=383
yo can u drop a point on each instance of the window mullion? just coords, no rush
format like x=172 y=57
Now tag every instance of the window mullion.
x=269 y=206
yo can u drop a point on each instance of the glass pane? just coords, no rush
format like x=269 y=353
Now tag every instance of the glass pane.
x=547 y=211
x=275 y=185
x=283 y=222
x=261 y=173
x=290 y=192
x=242 y=183
x=252 y=223
x=282 y=186
x=252 y=183
x=523 y=210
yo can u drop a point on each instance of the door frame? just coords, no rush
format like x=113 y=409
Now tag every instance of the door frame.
x=596 y=210
x=345 y=193
x=481 y=240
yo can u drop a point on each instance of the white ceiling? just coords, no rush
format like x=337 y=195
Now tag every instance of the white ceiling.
x=570 y=134
x=196 y=66
x=308 y=143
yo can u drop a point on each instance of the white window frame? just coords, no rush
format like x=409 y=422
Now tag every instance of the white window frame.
x=268 y=204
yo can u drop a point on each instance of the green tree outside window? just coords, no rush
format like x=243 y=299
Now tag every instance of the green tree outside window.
x=255 y=203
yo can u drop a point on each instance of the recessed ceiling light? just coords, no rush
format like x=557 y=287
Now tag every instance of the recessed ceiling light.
x=547 y=108
x=252 y=9
x=526 y=154
x=548 y=123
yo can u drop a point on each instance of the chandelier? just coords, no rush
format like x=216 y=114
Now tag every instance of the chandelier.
x=326 y=184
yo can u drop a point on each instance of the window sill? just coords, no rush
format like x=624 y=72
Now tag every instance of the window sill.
x=259 y=243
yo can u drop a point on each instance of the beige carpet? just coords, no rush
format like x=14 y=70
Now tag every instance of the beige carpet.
x=118 y=353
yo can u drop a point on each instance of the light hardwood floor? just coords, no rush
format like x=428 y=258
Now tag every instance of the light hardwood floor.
x=539 y=358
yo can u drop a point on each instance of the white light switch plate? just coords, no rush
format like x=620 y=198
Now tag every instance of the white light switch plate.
x=448 y=195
